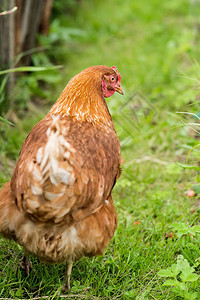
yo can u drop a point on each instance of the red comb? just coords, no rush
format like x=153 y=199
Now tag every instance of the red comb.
x=118 y=74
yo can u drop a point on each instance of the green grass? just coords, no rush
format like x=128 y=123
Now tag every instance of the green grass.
x=155 y=44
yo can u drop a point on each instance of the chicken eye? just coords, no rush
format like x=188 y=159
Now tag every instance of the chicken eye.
x=112 y=78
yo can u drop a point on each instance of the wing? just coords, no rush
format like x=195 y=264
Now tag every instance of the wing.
x=66 y=170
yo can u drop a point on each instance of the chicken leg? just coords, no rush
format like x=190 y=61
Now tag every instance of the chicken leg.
x=25 y=264
x=66 y=284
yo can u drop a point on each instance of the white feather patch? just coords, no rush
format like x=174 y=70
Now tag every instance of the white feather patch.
x=62 y=176
x=30 y=167
x=52 y=196
x=65 y=176
x=44 y=171
x=66 y=154
x=33 y=204
x=48 y=131
x=39 y=155
x=64 y=212
x=64 y=142
x=54 y=179
x=37 y=176
x=36 y=190
x=51 y=155
x=44 y=160
x=54 y=164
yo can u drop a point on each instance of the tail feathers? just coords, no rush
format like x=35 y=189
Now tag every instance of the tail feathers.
x=51 y=177
x=10 y=217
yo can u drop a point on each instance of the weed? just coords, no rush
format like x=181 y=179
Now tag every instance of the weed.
x=182 y=278
x=183 y=228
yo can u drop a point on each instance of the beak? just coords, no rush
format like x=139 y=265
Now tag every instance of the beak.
x=120 y=90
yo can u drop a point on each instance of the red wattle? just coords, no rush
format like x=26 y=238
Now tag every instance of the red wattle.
x=106 y=93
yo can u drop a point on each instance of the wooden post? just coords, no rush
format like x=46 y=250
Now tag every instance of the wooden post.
x=33 y=10
x=7 y=40
x=18 y=30
x=18 y=24
x=44 y=26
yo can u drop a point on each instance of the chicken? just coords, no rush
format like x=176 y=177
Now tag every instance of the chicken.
x=58 y=204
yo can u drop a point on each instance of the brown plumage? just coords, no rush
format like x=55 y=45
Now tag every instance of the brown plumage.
x=58 y=204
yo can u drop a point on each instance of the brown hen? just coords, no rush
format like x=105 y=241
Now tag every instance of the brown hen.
x=58 y=204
